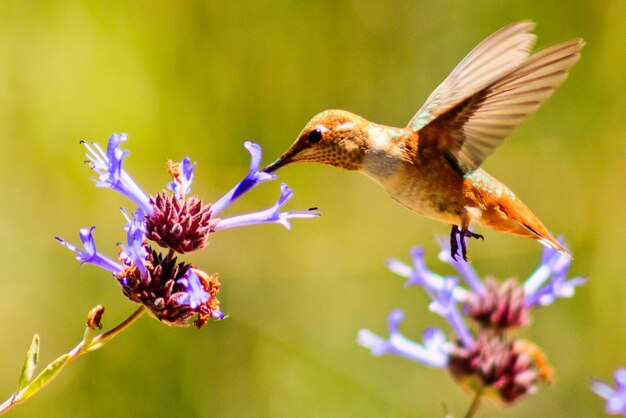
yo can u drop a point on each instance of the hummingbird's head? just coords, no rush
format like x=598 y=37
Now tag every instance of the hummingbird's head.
x=333 y=137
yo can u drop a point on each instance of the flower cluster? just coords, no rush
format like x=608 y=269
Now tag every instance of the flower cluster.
x=485 y=358
x=615 y=398
x=172 y=291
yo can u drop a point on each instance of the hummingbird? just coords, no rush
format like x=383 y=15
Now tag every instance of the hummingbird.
x=432 y=166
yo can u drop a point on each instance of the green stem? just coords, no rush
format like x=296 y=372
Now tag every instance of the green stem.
x=475 y=403
x=97 y=342
x=101 y=339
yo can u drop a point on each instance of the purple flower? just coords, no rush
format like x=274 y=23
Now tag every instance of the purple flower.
x=173 y=291
x=89 y=254
x=430 y=353
x=195 y=294
x=183 y=177
x=420 y=275
x=537 y=292
x=135 y=252
x=484 y=355
x=554 y=266
x=109 y=166
x=254 y=178
x=615 y=397
x=270 y=215
x=177 y=222
x=444 y=304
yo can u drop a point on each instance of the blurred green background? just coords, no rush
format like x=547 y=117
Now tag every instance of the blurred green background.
x=198 y=79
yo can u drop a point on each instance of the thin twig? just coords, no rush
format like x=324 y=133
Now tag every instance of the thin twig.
x=475 y=403
x=97 y=342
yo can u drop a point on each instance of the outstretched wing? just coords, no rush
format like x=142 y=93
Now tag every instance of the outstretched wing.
x=472 y=129
x=493 y=58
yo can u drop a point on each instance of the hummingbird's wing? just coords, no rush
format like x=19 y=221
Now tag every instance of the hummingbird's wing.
x=471 y=130
x=493 y=58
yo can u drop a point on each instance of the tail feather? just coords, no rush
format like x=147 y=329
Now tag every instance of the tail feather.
x=548 y=240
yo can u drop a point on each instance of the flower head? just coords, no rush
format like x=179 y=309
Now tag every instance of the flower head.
x=173 y=291
x=498 y=364
x=483 y=356
x=182 y=224
x=503 y=305
x=178 y=222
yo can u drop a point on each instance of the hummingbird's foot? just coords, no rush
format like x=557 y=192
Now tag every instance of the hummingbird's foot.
x=454 y=244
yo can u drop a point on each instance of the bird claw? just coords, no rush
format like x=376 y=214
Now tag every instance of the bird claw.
x=454 y=244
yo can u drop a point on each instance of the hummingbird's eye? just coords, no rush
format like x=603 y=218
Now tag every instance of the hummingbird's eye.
x=315 y=135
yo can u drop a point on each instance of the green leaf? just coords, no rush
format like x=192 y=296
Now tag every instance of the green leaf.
x=32 y=356
x=45 y=376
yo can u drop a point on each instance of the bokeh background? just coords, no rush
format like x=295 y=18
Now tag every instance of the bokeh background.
x=198 y=79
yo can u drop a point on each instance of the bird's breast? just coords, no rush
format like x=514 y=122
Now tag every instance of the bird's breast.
x=424 y=189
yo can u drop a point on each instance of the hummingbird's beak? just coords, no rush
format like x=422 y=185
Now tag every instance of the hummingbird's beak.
x=283 y=160
x=280 y=161
x=288 y=157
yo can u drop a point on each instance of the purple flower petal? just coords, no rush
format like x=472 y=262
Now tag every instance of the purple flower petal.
x=431 y=353
x=559 y=287
x=111 y=175
x=444 y=304
x=217 y=315
x=421 y=276
x=552 y=263
x=270 y=215
x=135 y=252
x=181 y=185
x=254 y=177
x=89 y=254
x=615 y=398
x=195 y=295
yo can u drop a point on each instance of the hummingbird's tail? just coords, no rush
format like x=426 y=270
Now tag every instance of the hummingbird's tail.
x=510 y=215
x=521 y=221
x=549 y=241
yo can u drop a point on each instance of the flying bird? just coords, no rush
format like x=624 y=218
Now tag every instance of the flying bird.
x=432 y=166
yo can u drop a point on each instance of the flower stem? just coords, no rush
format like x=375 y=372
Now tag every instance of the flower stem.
x=475 y=403
x=101 y=339
x=97 y=342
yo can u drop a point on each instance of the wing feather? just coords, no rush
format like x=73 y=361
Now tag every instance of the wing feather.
x=480 y=123
x=496 y=56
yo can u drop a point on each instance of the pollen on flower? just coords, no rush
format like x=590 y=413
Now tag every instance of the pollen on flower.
x=173 y=169
x=211 y=309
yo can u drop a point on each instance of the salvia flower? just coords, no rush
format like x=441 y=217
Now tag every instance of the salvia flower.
x=499 y=305
x=482 y=357
x=173 y=291
x=431 y=352
x=615 y=397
